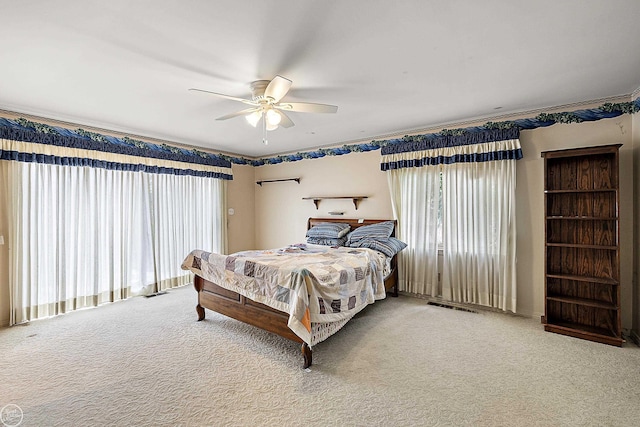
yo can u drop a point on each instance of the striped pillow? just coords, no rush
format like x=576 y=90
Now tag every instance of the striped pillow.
x=329 y=230
x=380 y=230
x=389 y=246
x=340 y=241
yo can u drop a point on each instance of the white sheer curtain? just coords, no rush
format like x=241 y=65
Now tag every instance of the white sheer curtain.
x=477 y=210
x=479 y=233
x=415 y=194
x=188 y=212
x=83 y=236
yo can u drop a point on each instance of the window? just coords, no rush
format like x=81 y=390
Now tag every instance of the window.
x=84 y=236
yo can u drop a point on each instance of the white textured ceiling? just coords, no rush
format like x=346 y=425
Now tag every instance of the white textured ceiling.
x=390 y=66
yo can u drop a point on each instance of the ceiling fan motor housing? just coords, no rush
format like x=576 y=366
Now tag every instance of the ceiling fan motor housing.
x=257 y=89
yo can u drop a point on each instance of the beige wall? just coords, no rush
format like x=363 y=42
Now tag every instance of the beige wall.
x=281 y=213
x=241 y=200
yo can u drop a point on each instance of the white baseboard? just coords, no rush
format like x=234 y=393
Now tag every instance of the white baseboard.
x=635 y=337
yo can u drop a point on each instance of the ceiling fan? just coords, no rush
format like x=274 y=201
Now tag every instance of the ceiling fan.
x=266 y=105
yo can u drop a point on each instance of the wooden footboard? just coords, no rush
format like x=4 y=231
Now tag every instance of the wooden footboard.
x=238 y=307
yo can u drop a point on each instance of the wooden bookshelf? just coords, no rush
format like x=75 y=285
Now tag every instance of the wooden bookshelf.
x=582 y=250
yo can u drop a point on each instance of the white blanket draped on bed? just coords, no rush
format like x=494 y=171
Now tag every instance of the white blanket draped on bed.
x=312 y=284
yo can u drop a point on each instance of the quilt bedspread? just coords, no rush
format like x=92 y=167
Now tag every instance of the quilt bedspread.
x=310 y=283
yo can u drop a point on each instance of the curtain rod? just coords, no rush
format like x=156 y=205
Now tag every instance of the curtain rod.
x=278 y=180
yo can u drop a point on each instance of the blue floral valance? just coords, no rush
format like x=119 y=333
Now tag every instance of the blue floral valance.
x=25 y=141
x=604 y=111
x=432 y=150
x=446 y=137
x=432 y=141
x=95 y=163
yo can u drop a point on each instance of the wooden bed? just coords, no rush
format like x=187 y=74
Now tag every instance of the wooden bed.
x=236 y=306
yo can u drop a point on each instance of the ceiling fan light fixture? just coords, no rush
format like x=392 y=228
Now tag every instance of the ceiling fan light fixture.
x=271 y=127
x=273 y=117
x=254 y=118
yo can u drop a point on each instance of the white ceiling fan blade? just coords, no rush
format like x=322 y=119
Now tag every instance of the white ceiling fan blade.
x=285 y=121
x=222 y=95
x=277 y=88
x=239 y=113
x=307 y=107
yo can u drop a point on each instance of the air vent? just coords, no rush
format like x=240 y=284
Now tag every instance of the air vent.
x=452 y=307
x=155 y=294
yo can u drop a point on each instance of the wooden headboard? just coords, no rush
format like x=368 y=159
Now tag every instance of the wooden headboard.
x=353 y=222
x=391 y=281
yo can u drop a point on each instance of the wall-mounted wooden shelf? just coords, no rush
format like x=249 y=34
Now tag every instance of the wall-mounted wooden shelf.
x=355 y=199
x=277 y=180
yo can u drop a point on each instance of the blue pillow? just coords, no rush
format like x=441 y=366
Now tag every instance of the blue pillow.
x=329 y=230
x=340 y=241
x=389 y=246
x=379 y=230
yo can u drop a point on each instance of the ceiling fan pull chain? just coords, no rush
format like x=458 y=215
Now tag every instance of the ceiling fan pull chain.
x=264 y=129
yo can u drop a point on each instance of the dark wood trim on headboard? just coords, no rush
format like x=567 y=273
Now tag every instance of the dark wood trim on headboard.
x=353 y=222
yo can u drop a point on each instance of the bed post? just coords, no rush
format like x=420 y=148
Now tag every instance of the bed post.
x=197 y=283
x=306 y=352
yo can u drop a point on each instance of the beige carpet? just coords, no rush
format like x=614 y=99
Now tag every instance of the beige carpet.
x=400 y=362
